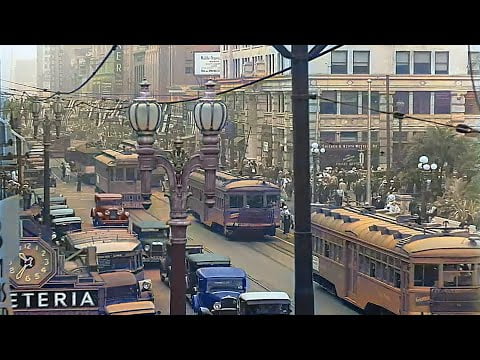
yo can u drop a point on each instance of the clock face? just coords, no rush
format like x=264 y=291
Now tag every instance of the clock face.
x=34 y=265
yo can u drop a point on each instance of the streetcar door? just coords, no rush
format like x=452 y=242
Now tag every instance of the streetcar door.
x=351 y=267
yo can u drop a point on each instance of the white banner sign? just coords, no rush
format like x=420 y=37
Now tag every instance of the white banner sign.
x=315 y=263
x=208 y=63
x=9 y=242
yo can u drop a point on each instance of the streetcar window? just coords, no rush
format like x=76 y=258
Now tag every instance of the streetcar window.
x=390 y=275
x=327 y=250
x=273 y=200
x=397 y=283
x=130 y=174
x=372 y=268
x=425 y=274
x=112 y=174
x=120 y=174
x=255 y=201
x=236 y=201
x=455 y=275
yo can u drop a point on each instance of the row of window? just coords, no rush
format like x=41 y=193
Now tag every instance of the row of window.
x=124 y=174
x=379 y=270
x=454 y=275
x=408 y=102
x=421 y=64
x=328 y=249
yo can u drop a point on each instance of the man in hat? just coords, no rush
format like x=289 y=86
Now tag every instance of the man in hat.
x=286 y=220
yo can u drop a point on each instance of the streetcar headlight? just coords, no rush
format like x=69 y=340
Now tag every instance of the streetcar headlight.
x=217 y=306
x=107 y=212
x=147 y=285
x=146 y=247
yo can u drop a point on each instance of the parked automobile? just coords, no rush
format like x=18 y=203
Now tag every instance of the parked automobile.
x=218 y=289
x=56 y=207
x=264 y=303
x=61 y=213
x=62 y=226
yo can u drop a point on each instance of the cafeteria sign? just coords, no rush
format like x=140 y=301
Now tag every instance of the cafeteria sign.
x=208 y=63
x=54 y=299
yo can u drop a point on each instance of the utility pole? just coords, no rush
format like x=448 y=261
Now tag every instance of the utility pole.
x=389 y=137
x=369 y=145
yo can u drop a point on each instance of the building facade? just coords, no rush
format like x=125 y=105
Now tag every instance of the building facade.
x=430 y=82
x=168 y=66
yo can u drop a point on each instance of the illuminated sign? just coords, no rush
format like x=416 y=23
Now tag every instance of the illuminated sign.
x=54 y=299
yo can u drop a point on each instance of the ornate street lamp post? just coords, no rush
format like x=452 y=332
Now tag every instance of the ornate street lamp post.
x=210 y=116
x=58 y=111
x=425 y=167
x=36 y=109
x=315 y=152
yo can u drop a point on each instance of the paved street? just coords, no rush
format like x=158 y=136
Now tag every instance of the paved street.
x=267 y=266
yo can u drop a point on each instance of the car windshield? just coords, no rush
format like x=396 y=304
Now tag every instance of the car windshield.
x=267 y=309
x=224 y=285
x=154 y=234
x=109 y=202
x=122 y=294
x=108 y=263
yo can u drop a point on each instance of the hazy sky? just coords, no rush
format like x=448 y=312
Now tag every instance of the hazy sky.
x=18 y=51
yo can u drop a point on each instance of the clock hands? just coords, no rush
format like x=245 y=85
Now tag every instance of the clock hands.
x=28 y=263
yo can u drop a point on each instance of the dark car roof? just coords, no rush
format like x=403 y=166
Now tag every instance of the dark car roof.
x=120 y=278
x=207 y=258
x=151 y=224
x=66 y=220
x=221 y=272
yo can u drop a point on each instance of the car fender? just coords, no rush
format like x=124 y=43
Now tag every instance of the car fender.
x=195 y=303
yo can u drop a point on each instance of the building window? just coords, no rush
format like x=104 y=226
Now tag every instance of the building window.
x=396 y=136
x=327 y=136
x=422 y=62
x=224 y=47
x=349 y=101
x=401 y=102
x=373 y=133
x=425 y=275
x=269 y=102
x=421 y=102
x=471 y=104
x=375 y=99
x=188 y=70
x=403 y=62
x=120 y=174
x=441 y=62
x=361 y=62
x=348 y=136
x=281 y=102
x=328 y=107
x=474 y=63
x=442 y=102
x=339 y=62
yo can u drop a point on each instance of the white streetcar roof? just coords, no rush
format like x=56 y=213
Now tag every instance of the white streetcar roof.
x=264 y=295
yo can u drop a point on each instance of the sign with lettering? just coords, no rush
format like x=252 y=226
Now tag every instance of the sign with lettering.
x=207 y=63
x=9 y=240
x=347 y=154
x=54 y=299
x=315 y=263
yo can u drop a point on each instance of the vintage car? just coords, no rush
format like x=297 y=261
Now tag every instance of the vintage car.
x=109 y=211
x=56 y=207
x=166 y=262
x=264 y=303
x=125 y=295
x=218 y=290
x=61 y=213
x=193 y=262
x=62 y=226
x=154 y=236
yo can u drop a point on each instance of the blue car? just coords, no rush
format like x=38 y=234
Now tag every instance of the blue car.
x=218 y=290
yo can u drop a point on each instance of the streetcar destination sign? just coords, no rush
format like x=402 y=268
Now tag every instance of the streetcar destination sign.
x=54 y=299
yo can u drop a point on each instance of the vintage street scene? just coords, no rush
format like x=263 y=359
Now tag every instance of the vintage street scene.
x=200 y=180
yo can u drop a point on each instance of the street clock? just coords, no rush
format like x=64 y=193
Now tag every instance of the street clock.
x=35 y=264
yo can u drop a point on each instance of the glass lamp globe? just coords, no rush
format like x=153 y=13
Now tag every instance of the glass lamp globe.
x=426 y=167
x=210 y=114
x=423 y=159
x=433 y=166
x=314 y=145
x=420 y=165
x=322 y=150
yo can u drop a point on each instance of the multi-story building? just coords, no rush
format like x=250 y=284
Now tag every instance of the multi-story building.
x=429 y=82
x=109 y=79
x=25 y=73
x=167 y=66
x=133 y=68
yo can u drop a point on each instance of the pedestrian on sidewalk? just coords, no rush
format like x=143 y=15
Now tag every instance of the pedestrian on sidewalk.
x=286 y=220
x=67 y=173
x=79 y=181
